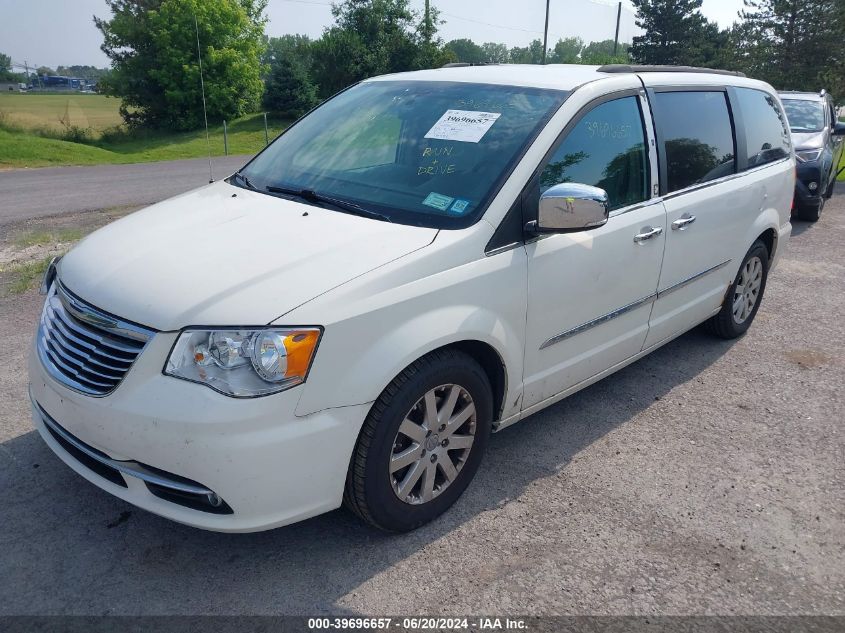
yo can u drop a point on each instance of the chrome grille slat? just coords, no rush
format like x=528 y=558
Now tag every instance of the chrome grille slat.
x=61 y=340
x=61 y=327
x=78 y=363
x=84 y=348
x=75 y=373
x=87 y=331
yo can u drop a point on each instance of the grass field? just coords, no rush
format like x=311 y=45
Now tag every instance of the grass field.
x=32 y=110
x=31 y=127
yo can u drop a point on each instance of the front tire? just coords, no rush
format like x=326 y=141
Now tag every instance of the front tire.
x=744 y=296
x=421 y=443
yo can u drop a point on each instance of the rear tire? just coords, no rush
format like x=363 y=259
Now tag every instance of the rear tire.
x=744 y=296
x=421 y=443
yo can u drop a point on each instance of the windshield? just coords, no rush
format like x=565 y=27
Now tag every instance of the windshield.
x=424 y=153
x=804 y=115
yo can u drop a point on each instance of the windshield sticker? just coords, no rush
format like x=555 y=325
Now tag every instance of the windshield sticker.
x=463 y=125
x=459 y=206
x=438 y=201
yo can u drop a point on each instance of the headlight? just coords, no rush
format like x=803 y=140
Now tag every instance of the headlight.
x=244 y=363
x=808 y=155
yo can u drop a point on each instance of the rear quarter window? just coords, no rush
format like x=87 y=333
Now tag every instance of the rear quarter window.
x=764 y=125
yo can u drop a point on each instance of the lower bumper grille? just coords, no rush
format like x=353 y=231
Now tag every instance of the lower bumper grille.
x=164 y=485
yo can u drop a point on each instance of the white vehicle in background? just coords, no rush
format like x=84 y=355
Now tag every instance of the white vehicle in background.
x=425 y=258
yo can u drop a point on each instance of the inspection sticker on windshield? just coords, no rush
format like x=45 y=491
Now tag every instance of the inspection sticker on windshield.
x=459 y=206
x=438 y=201
x=463 y=125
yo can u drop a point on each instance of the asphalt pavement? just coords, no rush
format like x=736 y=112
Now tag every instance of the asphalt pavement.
x=707 y=478
x=31 y=193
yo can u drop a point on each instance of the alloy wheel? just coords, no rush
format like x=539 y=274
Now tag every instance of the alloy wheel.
x=432 y=444
x=747 y=289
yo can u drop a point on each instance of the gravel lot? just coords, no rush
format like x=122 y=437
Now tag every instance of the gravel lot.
x=708 y=478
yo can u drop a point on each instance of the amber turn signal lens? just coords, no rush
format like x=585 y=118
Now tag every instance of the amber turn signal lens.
x=300 y=347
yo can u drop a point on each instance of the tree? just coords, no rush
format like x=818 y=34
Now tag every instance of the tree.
x=531 y=54
x=786 y=41
x=374 y=37
x=602 y=53
x=83 y=72
x=566 y=51
x=6 y=73
x=289 y=91
x=288 y=88
x=466 y=50
x=671 y=27
x=155 y=71
x=495 y=53
x=297 y=47
x=431 y=53
x=710 y=47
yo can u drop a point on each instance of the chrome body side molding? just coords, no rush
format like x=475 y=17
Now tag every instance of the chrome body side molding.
x=627 y=308
x=598 y=321
x=692 y=278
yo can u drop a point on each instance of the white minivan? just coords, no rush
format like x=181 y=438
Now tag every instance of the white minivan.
x=423 y=259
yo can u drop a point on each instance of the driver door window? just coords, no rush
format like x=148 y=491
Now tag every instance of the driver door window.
x=605 y=149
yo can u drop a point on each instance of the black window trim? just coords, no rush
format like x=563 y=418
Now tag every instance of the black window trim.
x=740 y=142
x=575 y=120
x=661 y=140
x=523 y=202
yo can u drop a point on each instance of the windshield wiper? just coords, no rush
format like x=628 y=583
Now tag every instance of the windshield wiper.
x=344 y=205
x=246 y=183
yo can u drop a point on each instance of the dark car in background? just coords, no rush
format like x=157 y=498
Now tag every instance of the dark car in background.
x=817 y=137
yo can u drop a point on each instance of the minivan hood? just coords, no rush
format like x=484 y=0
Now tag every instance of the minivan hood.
x=807 y=140
x=222 y=255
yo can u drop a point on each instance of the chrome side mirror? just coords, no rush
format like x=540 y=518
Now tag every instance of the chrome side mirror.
x=571 y=206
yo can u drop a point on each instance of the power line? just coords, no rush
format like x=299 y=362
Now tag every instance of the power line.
x=496 y=26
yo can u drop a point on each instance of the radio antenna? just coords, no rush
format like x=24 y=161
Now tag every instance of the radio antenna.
x=204 y=111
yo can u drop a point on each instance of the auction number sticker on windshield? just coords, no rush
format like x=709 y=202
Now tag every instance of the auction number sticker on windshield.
x=463 y=125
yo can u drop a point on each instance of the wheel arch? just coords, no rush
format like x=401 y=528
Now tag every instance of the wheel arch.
x=492 y=364
x=769 y=238
x=765 y=230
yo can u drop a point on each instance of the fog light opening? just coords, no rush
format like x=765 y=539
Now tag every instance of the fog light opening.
x=214 y=500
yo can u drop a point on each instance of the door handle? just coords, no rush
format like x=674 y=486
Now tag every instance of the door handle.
x=683 y=222
x=647 y=234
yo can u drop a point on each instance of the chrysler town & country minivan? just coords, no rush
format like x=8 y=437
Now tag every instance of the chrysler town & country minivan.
x=423 y=259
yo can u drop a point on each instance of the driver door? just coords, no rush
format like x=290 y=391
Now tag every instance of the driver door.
x=590 y=292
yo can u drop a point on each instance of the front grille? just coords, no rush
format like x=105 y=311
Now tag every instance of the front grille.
x=85 y=348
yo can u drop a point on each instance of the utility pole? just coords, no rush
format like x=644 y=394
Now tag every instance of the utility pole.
x=546 y=33
x=427 y=30
x=616 y=38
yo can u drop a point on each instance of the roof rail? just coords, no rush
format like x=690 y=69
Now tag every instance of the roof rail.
x=465 y=64
x=633 y=68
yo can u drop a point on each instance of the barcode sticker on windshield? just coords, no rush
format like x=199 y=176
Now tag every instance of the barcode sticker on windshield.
x=463 y=125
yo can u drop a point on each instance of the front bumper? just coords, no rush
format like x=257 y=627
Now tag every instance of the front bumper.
x=267 y=466
x=807 y=173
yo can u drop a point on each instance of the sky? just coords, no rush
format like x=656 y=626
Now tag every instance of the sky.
x=61 y=32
